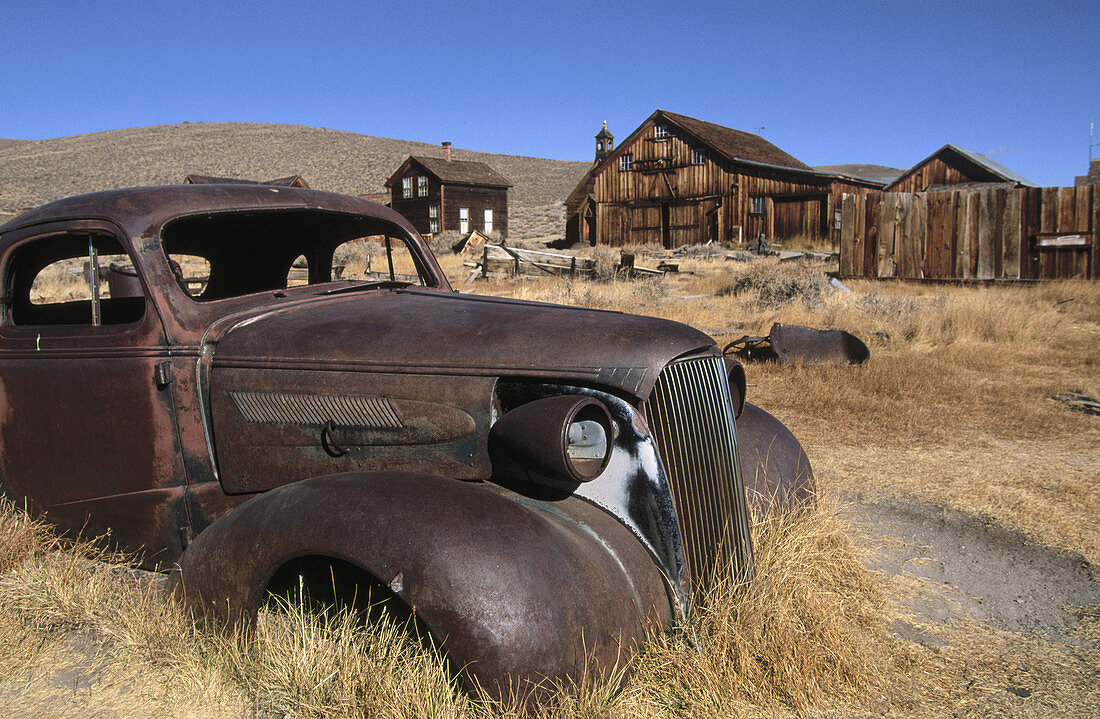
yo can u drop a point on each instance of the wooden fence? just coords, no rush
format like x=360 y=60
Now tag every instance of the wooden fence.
x=990 y=234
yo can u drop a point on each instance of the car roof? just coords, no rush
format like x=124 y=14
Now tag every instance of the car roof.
x=142 y=211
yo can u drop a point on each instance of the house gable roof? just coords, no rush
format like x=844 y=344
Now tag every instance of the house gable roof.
x=453 y=172
x=981 y=161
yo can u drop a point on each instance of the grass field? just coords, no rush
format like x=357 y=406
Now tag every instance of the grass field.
x=953 y=409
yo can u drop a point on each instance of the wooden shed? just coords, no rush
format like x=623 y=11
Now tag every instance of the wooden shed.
x=442 y=194
x=954 y=168
x=677 y=181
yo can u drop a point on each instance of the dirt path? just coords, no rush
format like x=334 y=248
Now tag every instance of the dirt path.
x=989 y=573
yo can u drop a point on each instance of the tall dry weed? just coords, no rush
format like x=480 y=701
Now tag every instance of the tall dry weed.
x=808 y=629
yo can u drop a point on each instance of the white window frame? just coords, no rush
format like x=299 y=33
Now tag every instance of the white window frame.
x=433 y=226
x=422 y=186
x=433 y=211
x=488 y=220
x=758 y=205
x=406 y=187
x=660 y=132
x=464 y=220
x=698 y=156
x=626 y=162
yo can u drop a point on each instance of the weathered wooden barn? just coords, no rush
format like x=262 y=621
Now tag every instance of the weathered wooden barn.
x=951 y=166
x=442 y=194
x=677 y=181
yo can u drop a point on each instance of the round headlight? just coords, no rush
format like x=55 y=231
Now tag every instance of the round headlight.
x=568 y=437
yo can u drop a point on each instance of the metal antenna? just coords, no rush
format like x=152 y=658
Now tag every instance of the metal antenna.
x=1092 y=144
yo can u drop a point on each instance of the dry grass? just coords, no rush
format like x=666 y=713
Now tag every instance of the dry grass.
x=806 y=629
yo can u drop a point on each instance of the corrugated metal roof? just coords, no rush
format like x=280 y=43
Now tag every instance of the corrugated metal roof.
x=995 y=167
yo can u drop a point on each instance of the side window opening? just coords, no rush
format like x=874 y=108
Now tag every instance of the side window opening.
x=76 y=278
x=299 y=272
x=365 y=259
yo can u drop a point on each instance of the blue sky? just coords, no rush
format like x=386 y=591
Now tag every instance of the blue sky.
x=860 y=81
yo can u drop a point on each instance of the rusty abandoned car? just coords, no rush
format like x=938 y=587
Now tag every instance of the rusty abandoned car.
x=264 y=388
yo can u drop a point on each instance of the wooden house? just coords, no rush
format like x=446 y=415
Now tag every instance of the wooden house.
x=677 y=180
x=954 y=168
x=442 y=194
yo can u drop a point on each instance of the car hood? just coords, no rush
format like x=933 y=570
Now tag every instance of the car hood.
x=432 y=332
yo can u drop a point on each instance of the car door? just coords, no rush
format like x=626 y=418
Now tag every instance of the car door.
x=87 y=432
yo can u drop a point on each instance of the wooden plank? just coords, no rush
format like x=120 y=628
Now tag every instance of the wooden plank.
x=986 y=228
x=870 y=246
x=860 y=214
x=933 y=238
x=918 y=231
x=1048 y=217
x=1031 y=220
x=1013 y=237
x=1066 y=264
x=958 y=260
x=891 y=213
x=949 y=249
x=973 y=219
x=849 y=244
x=1094 y=228
x=1000 y=197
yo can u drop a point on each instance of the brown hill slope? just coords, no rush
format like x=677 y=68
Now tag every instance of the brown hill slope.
x=35 y=172
x=6 y=142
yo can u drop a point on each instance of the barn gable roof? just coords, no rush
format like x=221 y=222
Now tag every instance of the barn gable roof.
x=733 y=144
x=981 y=161
x=454 y=172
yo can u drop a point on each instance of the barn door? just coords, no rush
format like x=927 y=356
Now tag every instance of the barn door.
x=645 y=225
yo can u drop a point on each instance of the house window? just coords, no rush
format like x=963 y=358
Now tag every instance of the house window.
x=422 y=186
x=407 y=187
x=660 y=131
x=626 y=162
x=433 y=226
x=488 y=221
x=758 y=205
x=698 y=156
x=433 y=211
x=464 y=220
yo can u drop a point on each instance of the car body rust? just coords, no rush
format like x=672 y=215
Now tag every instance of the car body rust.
x=216 y=392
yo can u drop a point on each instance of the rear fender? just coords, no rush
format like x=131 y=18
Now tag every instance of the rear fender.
x=513 y=589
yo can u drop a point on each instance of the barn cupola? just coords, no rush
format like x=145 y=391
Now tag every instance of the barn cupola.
x=605 y=142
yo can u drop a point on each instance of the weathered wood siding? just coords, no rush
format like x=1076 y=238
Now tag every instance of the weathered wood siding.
x=990 y=234
x=450 y=198
x=669 y=200
x=477 y=199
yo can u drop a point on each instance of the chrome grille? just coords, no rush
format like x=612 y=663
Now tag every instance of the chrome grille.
x=692 y=418
x=317 y=409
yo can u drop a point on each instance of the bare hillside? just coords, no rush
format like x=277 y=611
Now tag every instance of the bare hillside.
x=35 y=172
x=6 y=142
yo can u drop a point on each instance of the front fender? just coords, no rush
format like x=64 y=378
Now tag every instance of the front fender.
x=514 y=589
x=775 y=467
